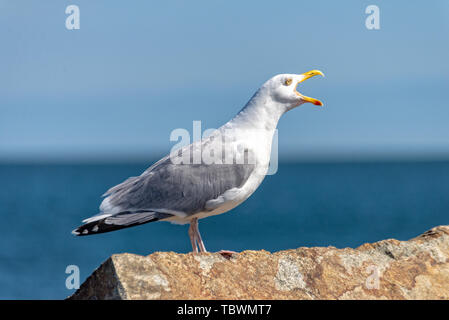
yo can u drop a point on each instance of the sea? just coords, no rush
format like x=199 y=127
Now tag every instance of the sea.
x=303 y=204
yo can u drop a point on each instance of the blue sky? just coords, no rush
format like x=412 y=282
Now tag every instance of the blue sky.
x=116 y=88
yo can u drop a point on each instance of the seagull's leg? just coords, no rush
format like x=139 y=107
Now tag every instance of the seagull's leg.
x=227 y=253
x=197 y=241
x=192 y=236
x=198 y=237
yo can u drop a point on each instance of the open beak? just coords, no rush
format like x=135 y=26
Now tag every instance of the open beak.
x=306 y=76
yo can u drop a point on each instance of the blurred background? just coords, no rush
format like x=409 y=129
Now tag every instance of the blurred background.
x=82 y=110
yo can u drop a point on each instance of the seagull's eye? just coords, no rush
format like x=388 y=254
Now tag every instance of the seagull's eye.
x=288 y=82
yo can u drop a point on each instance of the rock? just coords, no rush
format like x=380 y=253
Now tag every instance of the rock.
x=388 y=269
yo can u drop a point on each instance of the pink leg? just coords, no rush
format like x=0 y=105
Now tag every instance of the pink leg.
x=199 y=241
x=227 y=253
x=193 y=238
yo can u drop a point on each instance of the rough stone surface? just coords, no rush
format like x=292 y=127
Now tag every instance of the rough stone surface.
x=388 y=269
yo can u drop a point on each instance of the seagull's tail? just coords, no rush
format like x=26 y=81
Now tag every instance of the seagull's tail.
x=110 y=222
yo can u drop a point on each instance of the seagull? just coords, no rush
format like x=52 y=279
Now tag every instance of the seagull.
x=208 y=177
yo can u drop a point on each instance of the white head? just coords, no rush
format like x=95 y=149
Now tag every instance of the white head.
x=282 y=89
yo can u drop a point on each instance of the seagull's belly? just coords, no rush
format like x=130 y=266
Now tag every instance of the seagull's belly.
x=221 y=209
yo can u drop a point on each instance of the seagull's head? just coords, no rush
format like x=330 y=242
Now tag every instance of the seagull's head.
x=283 y=88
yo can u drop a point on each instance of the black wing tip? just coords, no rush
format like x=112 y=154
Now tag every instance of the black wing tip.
x=85 y=230
x=101 y=226
x=95 y=227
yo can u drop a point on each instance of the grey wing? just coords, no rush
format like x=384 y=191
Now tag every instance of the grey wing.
x=176 y=188
x=167 y=189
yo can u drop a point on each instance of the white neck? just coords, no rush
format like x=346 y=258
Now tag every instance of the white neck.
x=261 y=112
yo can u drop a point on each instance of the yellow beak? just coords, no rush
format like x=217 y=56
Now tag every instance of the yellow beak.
x=306 y=76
